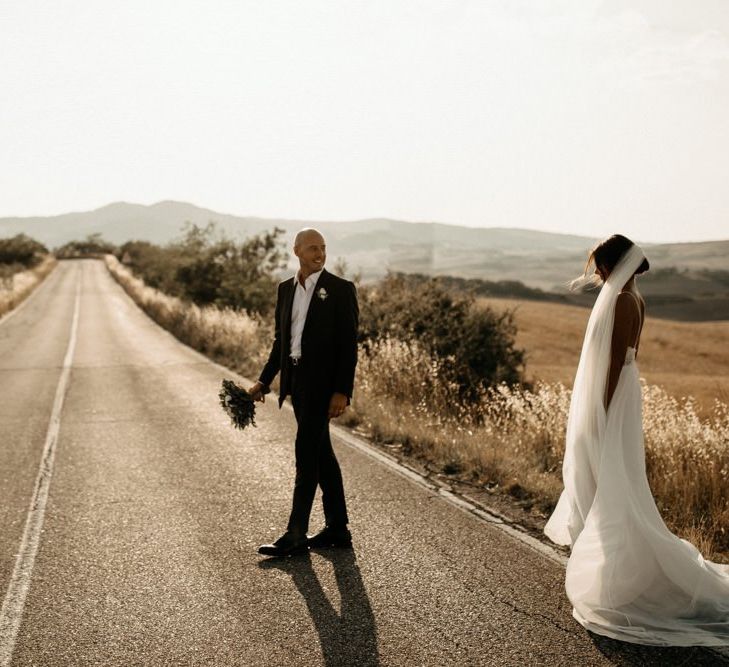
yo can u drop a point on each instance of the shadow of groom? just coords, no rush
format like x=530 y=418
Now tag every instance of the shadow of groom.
x=348 y=637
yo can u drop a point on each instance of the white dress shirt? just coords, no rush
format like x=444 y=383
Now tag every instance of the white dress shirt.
x=302 y=299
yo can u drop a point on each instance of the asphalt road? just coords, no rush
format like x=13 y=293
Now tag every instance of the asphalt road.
x=156 y=506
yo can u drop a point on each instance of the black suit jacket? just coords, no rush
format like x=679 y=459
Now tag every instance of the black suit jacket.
x=328 y=342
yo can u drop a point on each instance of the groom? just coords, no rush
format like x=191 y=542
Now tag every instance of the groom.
x=315 y=349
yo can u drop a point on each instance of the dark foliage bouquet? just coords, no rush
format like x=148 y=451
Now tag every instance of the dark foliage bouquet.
x=238 y=404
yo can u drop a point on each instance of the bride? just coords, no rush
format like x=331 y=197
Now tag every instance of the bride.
x=628 y=576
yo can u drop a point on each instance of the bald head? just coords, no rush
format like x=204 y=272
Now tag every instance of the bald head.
x=308 y=235
x=310 y=248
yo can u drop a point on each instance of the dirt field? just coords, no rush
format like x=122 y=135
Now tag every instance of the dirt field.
x=686 y=358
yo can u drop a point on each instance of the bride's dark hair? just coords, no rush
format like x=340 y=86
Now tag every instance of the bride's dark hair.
x=607 y=254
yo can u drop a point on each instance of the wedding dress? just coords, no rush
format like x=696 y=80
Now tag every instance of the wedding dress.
x=628 y=577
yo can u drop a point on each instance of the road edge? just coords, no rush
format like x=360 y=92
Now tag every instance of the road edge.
x=14 y=311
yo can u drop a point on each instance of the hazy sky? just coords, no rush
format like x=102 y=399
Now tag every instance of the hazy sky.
x=582 y=117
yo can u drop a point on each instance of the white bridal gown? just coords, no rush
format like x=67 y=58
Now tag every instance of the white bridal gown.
x=628 y=577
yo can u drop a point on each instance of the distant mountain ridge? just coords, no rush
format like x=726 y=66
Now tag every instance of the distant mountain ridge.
x=372 y=246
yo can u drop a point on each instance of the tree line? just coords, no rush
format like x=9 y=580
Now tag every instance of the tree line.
x=208 y=268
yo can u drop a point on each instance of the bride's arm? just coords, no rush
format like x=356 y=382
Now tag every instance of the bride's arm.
x=625 y=332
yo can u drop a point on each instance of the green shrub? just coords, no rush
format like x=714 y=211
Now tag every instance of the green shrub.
x=21 y=250
x=208 y=268
x=92 y=246
x=475 y=343
x=156 y=265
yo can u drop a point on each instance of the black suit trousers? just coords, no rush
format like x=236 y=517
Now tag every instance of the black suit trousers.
x=316 y=464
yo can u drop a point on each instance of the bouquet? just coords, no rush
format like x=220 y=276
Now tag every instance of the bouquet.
x=238 y=404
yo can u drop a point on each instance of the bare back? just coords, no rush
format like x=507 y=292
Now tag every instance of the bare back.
x=628 y=325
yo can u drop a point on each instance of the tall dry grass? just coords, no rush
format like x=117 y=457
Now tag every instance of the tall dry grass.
x=231 y=337
x=17 y=286
x=512 y=439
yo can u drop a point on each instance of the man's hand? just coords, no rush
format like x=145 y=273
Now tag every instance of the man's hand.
x=337 y=405
x=256 y=392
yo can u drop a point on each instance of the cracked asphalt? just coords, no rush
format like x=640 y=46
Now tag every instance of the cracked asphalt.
x=156 y=508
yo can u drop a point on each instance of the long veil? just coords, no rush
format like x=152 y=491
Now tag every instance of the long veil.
x=628 y=576
x=587 y=415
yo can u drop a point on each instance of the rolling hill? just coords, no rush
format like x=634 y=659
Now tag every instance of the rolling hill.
x=370 y=246
x=373 y=246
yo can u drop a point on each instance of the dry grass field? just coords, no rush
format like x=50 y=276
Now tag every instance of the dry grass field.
x=685 y=358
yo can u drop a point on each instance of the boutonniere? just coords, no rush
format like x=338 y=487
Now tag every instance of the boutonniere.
x=322 y=293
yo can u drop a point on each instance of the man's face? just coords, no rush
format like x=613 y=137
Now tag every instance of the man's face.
x=312 y=253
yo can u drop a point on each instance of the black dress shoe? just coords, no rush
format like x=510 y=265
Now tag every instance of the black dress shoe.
x=331 y=537
x=286 y=545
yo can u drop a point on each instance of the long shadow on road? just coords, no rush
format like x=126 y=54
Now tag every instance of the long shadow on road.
x=350 y=636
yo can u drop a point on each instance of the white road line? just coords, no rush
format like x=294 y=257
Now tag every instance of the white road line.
x=14 y=602
x=461 y=503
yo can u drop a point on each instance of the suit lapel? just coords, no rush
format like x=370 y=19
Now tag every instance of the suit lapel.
x=286 y=316
x=315 y=300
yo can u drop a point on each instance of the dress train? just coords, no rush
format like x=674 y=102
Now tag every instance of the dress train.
x=629 y=577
